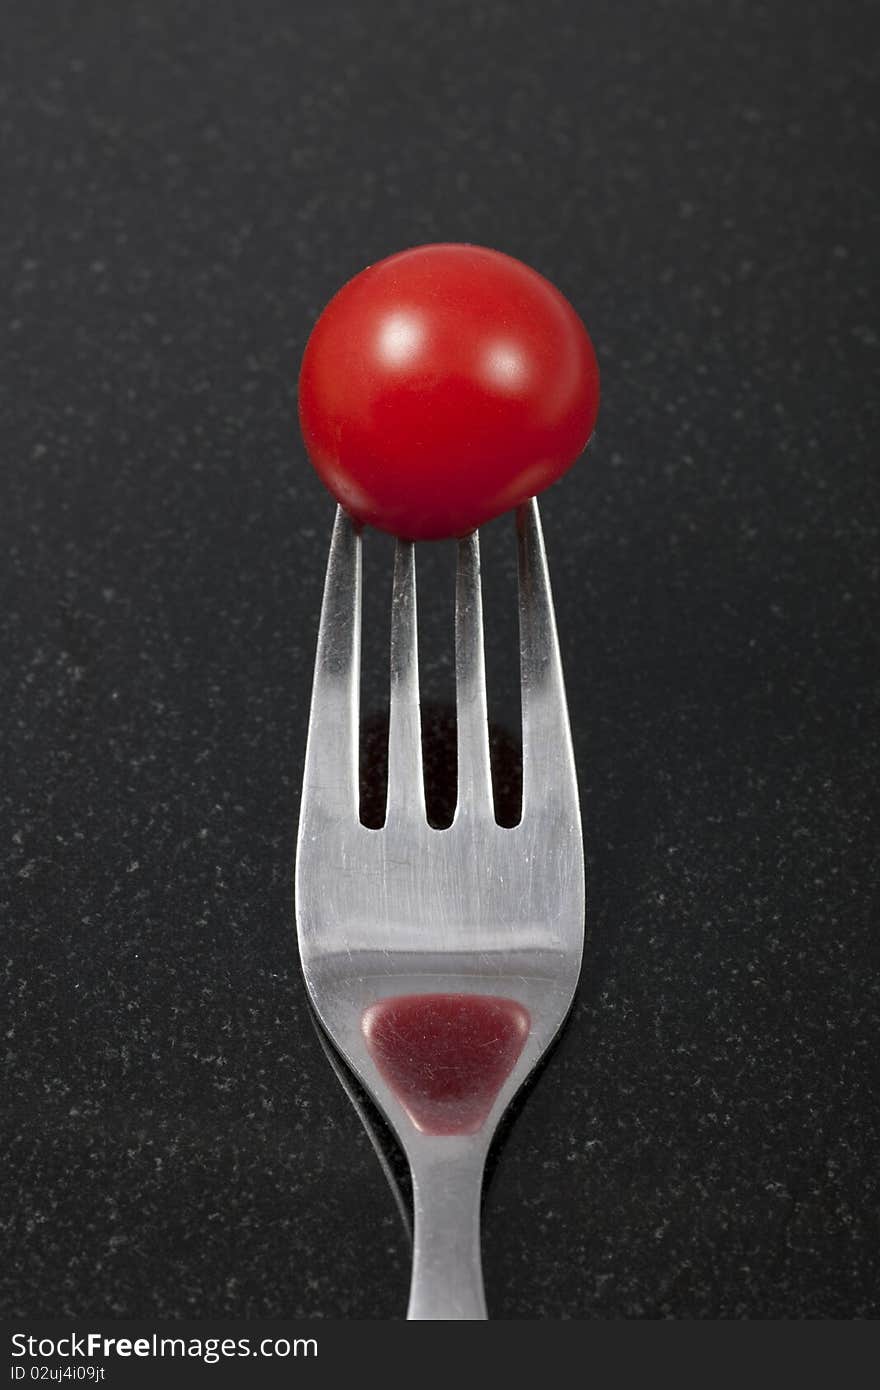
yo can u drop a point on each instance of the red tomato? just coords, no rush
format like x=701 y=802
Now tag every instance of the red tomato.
x=444 y=385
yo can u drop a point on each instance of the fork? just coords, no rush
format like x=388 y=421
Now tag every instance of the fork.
x=441 y=962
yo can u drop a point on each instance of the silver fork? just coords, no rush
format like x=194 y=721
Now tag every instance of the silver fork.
x=440 y=962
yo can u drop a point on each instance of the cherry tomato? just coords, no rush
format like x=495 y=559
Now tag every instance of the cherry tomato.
x=444 y=385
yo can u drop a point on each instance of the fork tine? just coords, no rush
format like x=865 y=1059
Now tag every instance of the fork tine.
x=474 y=771
x=330 y=779
x=548 y=757
x=406 y=792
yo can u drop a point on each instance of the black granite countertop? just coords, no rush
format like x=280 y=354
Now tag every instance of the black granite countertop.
x=186 y=184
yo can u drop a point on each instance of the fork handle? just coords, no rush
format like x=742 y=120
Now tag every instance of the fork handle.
x=447 y=1276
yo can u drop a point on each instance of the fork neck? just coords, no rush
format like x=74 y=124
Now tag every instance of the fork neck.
x=447 y=1278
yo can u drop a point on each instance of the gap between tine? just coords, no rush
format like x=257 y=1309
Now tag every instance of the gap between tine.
x=406 y=791
x=474 y=769
x=330 y=778
x=548 y=757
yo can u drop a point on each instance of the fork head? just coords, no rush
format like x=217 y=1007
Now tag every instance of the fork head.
x=410 y=912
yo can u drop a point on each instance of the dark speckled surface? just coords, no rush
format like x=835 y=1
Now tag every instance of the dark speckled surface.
x=185 y=186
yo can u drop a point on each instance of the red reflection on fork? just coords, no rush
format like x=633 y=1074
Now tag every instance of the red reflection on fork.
x=446 y=1056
